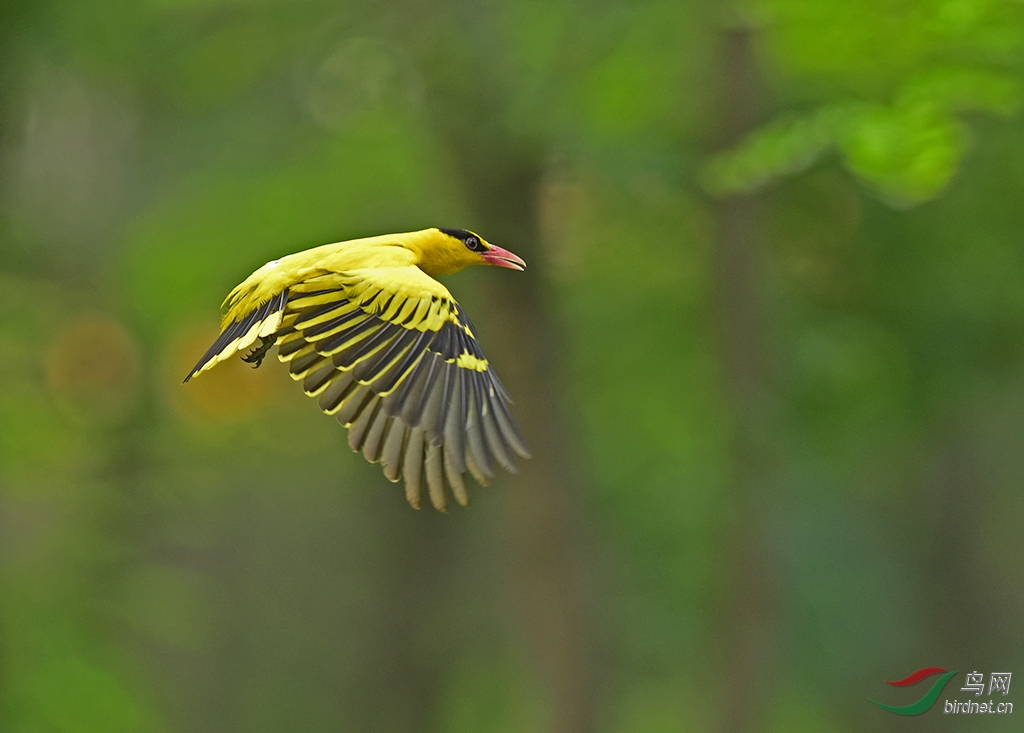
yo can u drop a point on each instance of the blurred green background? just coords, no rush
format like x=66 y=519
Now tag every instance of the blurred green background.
x=769 y=353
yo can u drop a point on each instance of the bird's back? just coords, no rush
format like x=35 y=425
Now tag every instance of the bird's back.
x=274 y=277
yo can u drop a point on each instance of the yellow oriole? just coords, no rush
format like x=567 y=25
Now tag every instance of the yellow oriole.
x=387 y=351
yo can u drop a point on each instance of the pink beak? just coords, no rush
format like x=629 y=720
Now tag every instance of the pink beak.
x=503 y=258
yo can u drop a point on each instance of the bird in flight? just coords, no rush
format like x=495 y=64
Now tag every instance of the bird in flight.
x=385 y=348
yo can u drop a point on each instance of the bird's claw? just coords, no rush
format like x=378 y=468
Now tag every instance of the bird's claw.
x=255 y=357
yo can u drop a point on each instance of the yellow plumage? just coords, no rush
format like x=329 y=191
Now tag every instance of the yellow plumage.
x=386 y=350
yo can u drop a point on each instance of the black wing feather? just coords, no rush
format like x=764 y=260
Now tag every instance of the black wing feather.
x=239 y=328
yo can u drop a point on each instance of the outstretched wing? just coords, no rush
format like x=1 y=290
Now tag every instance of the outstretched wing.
x=392 y=356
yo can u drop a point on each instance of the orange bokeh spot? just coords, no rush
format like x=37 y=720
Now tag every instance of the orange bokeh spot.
x=232 y=390
x=93 y=368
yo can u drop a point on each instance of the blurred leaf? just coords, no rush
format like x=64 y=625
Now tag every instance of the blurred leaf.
x=906 y=152
x=964 y=89
x=788 y=145
x=870 y=45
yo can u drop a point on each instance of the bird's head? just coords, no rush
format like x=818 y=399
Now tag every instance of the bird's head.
x=444 y=251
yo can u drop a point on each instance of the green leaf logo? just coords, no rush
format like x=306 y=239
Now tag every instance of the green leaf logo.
x=925 y=702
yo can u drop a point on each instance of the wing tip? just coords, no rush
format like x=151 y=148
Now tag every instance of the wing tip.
x=199 y=368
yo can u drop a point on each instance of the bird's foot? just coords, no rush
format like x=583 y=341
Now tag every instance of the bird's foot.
x=255 y=357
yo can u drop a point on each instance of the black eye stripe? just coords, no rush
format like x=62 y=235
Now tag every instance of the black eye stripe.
x=460 y=234
x=471 y=241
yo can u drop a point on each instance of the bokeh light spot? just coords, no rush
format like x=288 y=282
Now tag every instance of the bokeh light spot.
x=93 y=368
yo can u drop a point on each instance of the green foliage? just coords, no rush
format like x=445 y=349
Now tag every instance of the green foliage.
x=210 y=557
x=906 y=152
x=60 y=689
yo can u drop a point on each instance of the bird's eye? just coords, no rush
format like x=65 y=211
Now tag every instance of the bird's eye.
x=474 y=244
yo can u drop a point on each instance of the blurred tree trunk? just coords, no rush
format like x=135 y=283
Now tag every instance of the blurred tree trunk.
x=543 y=524
x=746 y=623
x=501 y=177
